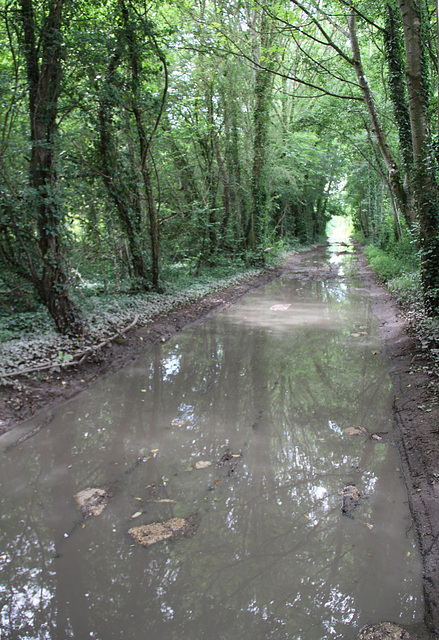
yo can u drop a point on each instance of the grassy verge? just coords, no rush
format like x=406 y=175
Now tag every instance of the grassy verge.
x=398 y=268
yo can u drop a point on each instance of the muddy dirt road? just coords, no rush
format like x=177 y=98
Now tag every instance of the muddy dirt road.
x=416 y=414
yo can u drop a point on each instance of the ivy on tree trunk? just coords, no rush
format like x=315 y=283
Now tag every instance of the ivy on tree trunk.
x=44 y=72
x=424 y=180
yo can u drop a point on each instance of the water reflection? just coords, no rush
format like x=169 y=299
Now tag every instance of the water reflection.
x=272 y=555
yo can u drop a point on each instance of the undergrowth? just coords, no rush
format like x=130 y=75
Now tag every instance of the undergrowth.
x=29 y=338
x=398 y=268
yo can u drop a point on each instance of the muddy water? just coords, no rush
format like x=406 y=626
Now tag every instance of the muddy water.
x=273 y=556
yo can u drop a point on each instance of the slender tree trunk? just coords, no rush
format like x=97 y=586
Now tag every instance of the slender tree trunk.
x=126 y=199
x=395 y=181
x=398 y=94
x=144 y=140
x=258 y=185
x=259 y=192
x=44 y=84
x=425 y=185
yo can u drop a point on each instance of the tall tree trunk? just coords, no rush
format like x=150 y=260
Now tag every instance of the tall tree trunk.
x=143 y=139
x=44 y=84
x=122 y=189
x=124 y=194
x=259 y=192
x=258 y=184
x=395 y=181
x=425 y=185
x=398 y=94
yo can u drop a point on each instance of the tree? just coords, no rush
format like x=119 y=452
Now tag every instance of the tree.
x=425 y=169
x=32 y=221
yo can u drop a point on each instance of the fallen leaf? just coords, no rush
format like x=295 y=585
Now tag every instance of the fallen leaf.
x=143 y=390
x=154 y=450
x=136 y=515
x=165 y=500
x=140 y=499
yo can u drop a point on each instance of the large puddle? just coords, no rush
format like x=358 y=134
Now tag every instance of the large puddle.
x=273 y=556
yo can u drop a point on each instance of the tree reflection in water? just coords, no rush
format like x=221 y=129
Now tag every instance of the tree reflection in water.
x=272 y=557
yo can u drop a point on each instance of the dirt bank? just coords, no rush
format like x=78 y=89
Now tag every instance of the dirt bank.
x=416 y=411
x=416 y=433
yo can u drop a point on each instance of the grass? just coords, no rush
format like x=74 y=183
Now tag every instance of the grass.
x=399 y=269
x=397 y=266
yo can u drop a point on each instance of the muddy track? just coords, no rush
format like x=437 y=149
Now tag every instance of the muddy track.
x=416 y=414
x=416 y=433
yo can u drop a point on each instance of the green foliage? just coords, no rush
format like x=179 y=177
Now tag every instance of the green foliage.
x=386 y=265
x=398 y=266
x=24 y=325
x=253 y=154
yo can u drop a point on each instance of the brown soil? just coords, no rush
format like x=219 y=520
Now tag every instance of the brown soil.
x=416 y=409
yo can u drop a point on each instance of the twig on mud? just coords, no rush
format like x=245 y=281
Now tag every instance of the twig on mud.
x=34 y=431
x=411 y=399
x=82 y=354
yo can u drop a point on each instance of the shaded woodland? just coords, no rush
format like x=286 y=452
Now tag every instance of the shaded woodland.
x=138 y=139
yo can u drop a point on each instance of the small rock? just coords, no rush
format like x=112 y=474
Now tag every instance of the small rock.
x=93 y=501
x=384 y=631
x=280 y=307
x=149 y=534
x=203 y=464
x=351 y=498
x=356 y=431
